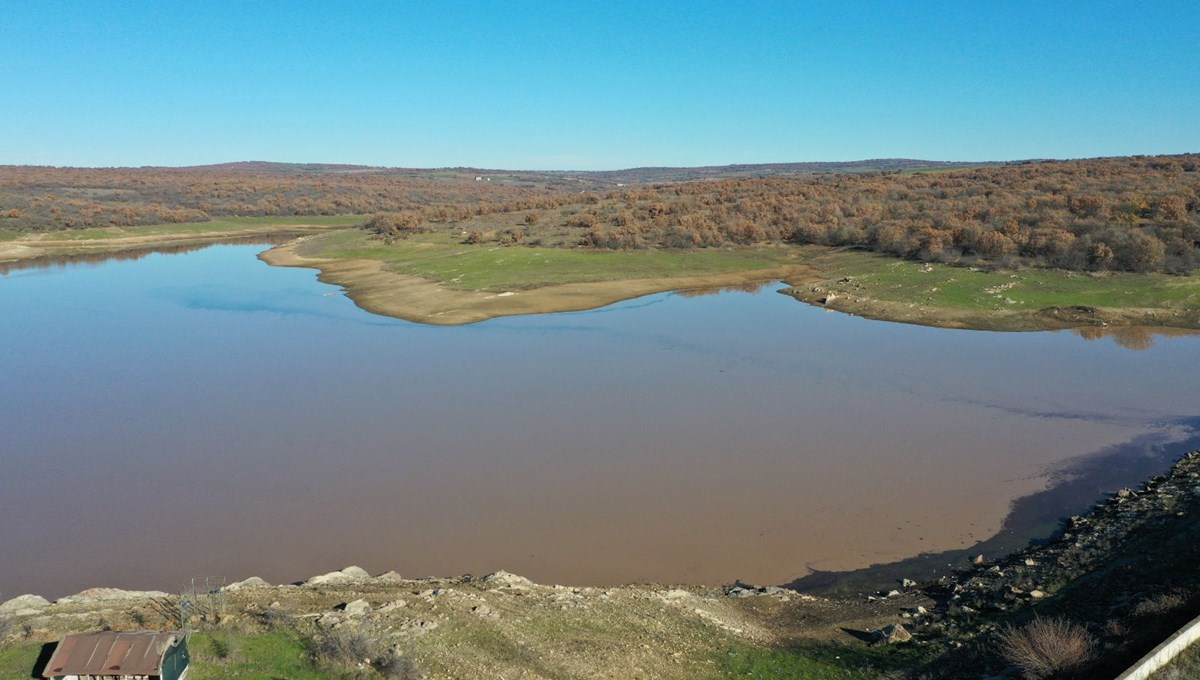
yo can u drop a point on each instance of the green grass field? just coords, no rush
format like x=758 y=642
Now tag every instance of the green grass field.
x=443 y=258
x=889 y=279
x=262 y=656
x=17 y=660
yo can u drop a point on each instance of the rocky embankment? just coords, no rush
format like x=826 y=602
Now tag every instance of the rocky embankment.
x=499 y=625
x=1126 y=570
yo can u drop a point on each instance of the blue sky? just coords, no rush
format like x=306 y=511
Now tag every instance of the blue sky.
x=594 y=85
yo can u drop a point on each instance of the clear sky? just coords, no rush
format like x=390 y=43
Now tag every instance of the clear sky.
x=574 y=84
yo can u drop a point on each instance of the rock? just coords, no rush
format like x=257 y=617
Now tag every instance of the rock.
x=103 y=594
x=417 y=627
x=826 y=299
x=907 y=583
x=892 y=593
x=389 y=576
x=893 y=634
x=393 y=606
x=1037 y=594
x=482 y=610
x=504 y=578
x=979 y=560
x=252 y=582
x=344 y=576
x=676 y=594
x=738 y=591
x=355 y=608
x=24 y=605
x=1124 y=493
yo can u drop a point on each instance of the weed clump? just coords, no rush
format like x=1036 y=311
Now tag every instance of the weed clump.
x=1046 y=647
x=362 y=646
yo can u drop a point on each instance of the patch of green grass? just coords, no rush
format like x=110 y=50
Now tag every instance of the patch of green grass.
x=9 y=235
x=442 y=258
x=261 y=656
x=219 y=225
x=17 y=660
x=817 y=662
x=937 y=285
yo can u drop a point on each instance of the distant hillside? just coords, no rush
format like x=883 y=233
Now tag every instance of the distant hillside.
x=666 y=174
x=646 y=175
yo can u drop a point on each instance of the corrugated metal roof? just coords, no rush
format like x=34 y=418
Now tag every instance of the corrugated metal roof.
x=109 y=653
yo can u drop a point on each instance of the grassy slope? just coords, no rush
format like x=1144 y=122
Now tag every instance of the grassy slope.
x=443 y=258
x=17 y=660
x=263 y=656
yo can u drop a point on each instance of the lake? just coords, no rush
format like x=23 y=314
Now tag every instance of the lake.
x=204 y=414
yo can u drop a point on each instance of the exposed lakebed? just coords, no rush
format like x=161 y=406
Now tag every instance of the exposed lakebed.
x=204 y=414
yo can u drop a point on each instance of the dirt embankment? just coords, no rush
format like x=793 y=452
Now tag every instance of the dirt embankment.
x=378 y=290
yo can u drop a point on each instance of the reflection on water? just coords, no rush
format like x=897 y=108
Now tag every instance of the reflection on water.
x=1136 y=338
x=130 y=254
x=749 y=287
x=207 y=414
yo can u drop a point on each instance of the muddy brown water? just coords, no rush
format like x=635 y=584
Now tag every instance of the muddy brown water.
x=203 y=414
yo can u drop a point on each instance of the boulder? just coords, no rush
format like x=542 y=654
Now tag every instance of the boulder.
x=252 y=582
x=104 y=594
x=344 y=576
x=24 y=605
x=893 y=634
x=389 y=576
x=504 y=578
x=355 y=608
x=393 y=606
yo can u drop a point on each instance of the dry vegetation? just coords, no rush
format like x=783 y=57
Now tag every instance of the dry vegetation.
x=46 y=198
x=1044 y=648
x=1128 y=214
x=1138 y=214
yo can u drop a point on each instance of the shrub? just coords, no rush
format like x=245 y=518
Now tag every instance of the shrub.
x=1045 y=647
x=1160 y=604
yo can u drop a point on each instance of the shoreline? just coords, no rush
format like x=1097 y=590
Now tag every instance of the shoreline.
x=375 y=289
x=811 y=279
x=31 y=250
x=1057 y=318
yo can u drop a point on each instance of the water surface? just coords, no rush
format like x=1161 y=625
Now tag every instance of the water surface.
x=205 y=414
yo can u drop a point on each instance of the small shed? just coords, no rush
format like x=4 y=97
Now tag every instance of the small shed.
x=141 y=655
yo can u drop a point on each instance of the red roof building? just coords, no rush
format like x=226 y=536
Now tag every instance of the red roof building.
x=143 y=655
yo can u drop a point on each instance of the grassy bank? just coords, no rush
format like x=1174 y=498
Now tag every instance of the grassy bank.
x=856 y=282
x=881 y=287
x=445 y=259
